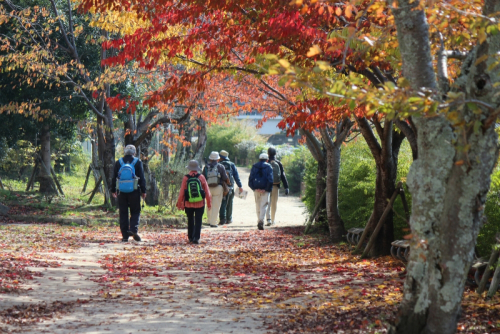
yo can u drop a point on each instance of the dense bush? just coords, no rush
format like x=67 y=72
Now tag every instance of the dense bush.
x=357 y=185
x=486 y=237
x=230 y=136
x=295 y=167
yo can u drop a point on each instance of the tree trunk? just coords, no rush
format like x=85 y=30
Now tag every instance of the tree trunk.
x=320 y=188
x=202 y=141
x=106 y=148
x=47 y=185
x=153 y=192
x=335 y=222
x=448 y=185
x=386 y=155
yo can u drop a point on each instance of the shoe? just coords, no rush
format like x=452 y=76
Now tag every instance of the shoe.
x=222 y=222
x=260 y=226
x=214 y=226
x=125 y=240
x=190 y=240
x=196 y=242
x=273 y=224
x=229 y=222
x=135 y=235
x=269 y=223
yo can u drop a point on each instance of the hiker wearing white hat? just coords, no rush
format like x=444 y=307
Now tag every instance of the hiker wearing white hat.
x=215 y=174
x=261 y=182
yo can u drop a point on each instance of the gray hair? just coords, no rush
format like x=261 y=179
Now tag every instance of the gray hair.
x=129 y=150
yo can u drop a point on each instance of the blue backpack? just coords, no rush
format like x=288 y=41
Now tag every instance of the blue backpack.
x=259 y=181
x=127 y=181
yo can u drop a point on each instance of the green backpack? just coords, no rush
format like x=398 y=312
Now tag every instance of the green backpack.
x=194 y=191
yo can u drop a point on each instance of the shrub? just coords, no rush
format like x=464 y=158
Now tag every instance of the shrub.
x=486 y=236
x=310 y=171
x=294 y=165
x=227 y=136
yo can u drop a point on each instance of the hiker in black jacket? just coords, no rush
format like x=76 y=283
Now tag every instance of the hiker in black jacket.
x=132 y=200
x=278 y=177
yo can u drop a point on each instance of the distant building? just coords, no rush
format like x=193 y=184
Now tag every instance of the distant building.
x=270 y=129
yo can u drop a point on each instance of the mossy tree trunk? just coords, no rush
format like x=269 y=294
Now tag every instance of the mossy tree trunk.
x=448 y=184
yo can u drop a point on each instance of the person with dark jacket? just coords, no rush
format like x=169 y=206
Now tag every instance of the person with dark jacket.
x=226 y=208
x=261 y=182
x=132 y=200
x=271 y=209
x=215 y=174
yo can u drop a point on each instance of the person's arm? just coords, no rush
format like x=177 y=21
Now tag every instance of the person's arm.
x=283 y=178
x=115 y=176
x=181 y=199
x=250 y=179
x=236 y=176
x=270 y=179
x=223 y=175
x=140 y=174
x=206 y=188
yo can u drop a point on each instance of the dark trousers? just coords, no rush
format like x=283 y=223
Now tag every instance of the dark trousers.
x=226 y=207
x=133 y=201
x=194 y=216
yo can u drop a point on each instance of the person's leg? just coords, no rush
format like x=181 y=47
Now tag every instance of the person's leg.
x=268 y=213
x=275 y=194
x=190 y=218
x=264 y=202
x=229 y=207
x=223 y=210
x=123 y=210
x=213 y=213
x=134 y=202
x=198 y=216
x=257 y=195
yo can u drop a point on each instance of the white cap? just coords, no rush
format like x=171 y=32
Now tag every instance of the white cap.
x=214 y=155
x=263 y=156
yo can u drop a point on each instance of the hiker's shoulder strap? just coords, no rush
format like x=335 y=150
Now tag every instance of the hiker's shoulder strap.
x=121 y=161
x=134 y=161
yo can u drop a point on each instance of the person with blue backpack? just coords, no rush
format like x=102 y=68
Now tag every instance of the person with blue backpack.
x=129 y=187
x=261 y=182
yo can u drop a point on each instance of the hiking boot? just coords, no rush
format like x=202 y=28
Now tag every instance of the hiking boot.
x=213 y=226
x=260 y=226
x=125 y=240
x=222 y=222
x=196 y=242
x=135 y=235
x=269 y=222
x=229 y=222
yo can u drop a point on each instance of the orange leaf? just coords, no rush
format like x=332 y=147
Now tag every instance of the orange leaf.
x=348 y=11
x=408 y=236
x=338 y=11
x=459 y=163
x=321 y=10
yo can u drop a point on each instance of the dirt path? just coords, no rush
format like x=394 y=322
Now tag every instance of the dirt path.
x=238 y=280
x=290 y=212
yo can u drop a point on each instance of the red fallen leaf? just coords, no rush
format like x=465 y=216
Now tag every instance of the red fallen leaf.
x=137 y=284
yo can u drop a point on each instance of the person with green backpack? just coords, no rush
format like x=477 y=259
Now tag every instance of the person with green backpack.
x=194 y=191
x=226 y=208
x=278 y=177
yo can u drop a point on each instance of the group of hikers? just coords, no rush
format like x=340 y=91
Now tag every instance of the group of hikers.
x=213 y=186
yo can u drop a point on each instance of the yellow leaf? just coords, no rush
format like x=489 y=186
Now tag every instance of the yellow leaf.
x=481 y=35
x=313 y=51
x=481 y=59
x=284 y=63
